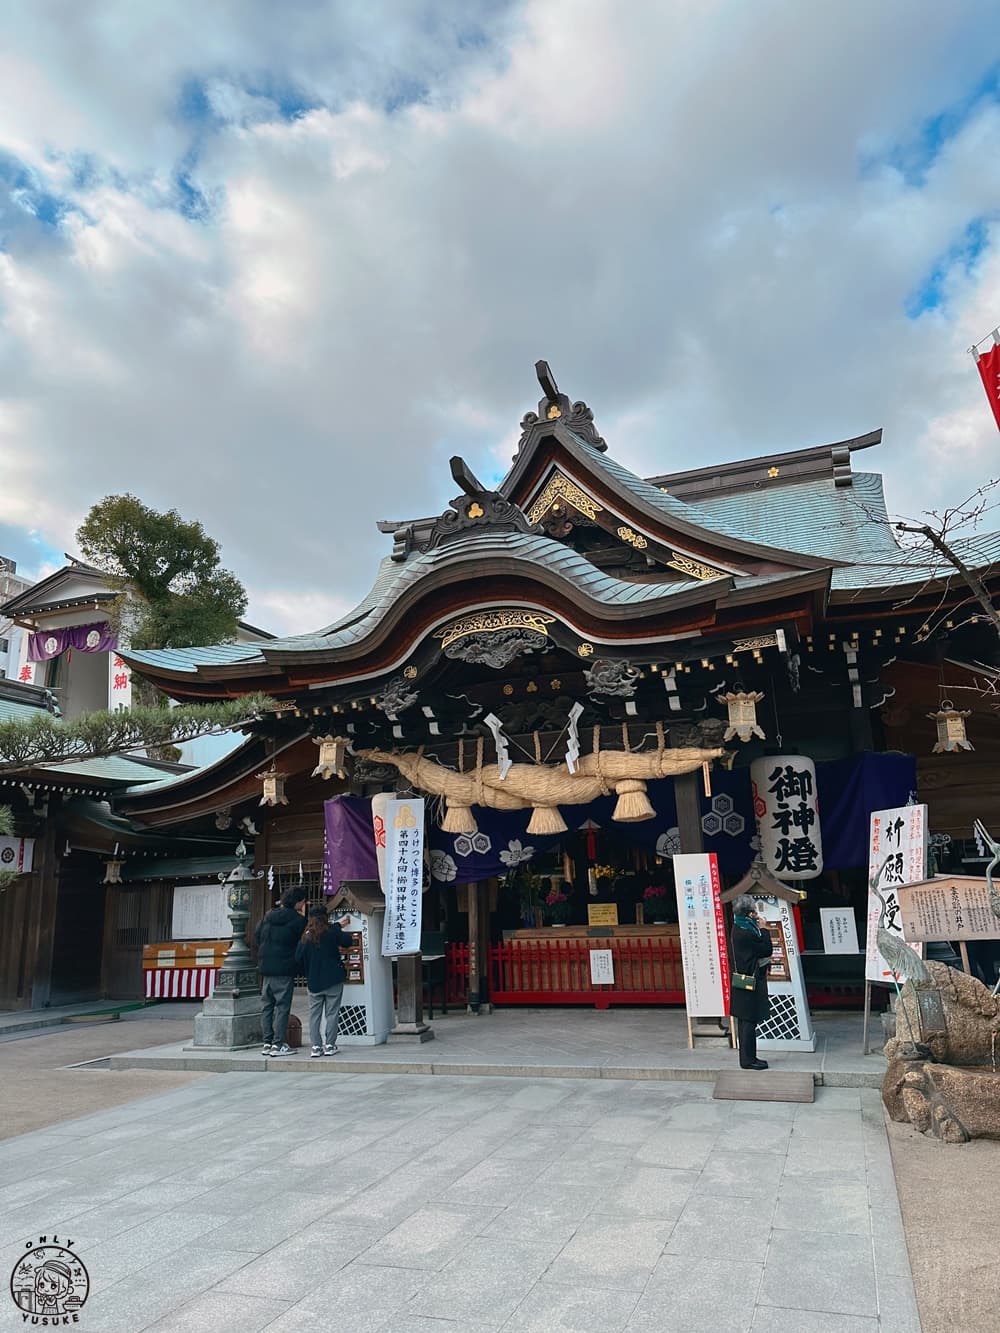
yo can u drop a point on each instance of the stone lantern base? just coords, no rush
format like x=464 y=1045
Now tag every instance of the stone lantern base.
x=228 y=1021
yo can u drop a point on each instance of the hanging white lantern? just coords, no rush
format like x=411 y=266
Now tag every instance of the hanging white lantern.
x=274 y=788
x=950 y=728
x=332 y=757
x=113 y=871
x=785 y=804
x=742 y=707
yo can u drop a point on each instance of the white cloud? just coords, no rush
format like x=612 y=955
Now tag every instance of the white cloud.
x=669 y=203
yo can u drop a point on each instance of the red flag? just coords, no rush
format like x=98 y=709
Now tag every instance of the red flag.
x=989 y=372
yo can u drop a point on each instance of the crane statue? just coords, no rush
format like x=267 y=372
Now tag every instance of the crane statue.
x=985 y=841
x=904 y=961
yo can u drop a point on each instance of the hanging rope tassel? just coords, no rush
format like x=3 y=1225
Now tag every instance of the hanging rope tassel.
x=633 y=803
x=546 y=819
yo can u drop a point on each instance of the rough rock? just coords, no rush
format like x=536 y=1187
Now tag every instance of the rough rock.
x=955 y=1105
x=972 y=1020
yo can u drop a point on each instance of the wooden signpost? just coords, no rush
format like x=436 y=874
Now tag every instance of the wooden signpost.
x=948 y=907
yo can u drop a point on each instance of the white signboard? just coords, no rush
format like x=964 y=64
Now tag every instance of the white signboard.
x=898 y=841
x=784 y=801
x=840 y=931
x=404 y=870
x=704 y=957
x=17 y=854
x=602 y=967
x=200 y=913
x=119 y=683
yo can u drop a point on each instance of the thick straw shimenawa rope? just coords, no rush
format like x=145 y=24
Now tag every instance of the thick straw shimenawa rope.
x=543 y=786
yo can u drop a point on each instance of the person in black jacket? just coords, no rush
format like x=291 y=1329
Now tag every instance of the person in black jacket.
x=751 y=945
x=318 y=953
x=277 y=937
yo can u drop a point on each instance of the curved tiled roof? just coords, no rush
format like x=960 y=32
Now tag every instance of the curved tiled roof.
x=535 y=551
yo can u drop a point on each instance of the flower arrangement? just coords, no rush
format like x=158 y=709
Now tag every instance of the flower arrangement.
x=654 y=897
x=556 y=906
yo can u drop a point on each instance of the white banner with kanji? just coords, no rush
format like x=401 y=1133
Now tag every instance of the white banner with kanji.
x=404 y=872
x=704 y=957
x=897 y=847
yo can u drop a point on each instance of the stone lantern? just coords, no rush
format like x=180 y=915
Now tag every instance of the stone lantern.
x=230 y=1017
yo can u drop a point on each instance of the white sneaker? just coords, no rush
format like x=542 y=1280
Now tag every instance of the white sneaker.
x=283 y=1049
x=327 y=1050
x=268 y=1048
x=316 y=1052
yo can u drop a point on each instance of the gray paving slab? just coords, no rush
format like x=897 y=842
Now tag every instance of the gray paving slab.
x=485 y=1283
x=708 y=1227
x=553 y=1305
x=769 y=1319
x=812 y=1270
x=698 y=1296
x=612 y=1252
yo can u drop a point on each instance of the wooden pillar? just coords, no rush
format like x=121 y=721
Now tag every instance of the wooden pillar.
x=488 y=894
x=687 y=794
x=410 y=1023
x=111 y=892
x=860 y=724
x=42 y=918
x=475 y=999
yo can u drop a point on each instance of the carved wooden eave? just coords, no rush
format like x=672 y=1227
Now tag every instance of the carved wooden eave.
x=454 y=585
x=553 y=464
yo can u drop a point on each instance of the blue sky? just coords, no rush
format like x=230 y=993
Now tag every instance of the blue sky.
x=274 y=266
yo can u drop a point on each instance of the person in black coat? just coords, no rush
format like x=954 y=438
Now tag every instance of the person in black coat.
x=277 y=937
x=751 y=946
x=319 y=955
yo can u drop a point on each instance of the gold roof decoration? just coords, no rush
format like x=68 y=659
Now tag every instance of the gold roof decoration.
x=491 y=622
x=560 y=487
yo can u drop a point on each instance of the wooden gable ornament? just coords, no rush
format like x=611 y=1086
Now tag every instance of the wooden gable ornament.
x=760 y=883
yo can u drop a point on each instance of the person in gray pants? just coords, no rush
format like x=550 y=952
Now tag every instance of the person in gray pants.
x=277 y=937
x=318 y=954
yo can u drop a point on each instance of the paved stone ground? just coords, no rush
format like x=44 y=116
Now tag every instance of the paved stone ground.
x=420 y=1205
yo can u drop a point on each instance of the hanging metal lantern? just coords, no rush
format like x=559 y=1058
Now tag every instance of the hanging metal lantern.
x=113 y=871
x=332 y=757
x=274 y=788
x=950 y=728
x=742 y=715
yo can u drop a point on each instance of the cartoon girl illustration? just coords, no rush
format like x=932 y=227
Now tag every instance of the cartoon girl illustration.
x=53 y=1290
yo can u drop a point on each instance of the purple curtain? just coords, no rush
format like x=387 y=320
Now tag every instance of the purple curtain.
x=94 y=638
x=349 y=852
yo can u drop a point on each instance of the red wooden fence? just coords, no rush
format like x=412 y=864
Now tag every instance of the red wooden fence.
x=558 y=972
